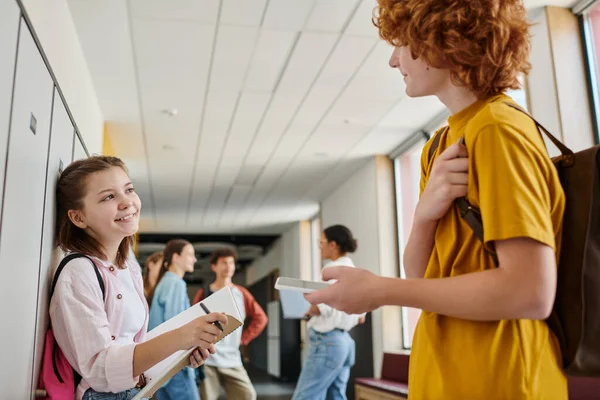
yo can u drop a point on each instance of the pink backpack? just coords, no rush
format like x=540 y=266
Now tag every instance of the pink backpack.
x=58 y=379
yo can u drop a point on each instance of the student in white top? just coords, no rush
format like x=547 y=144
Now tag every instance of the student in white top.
x=332 y=350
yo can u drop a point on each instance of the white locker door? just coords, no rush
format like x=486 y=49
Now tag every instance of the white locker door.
x=21 y=229
x=9 y=31
x=78 y=150
x=61 y=151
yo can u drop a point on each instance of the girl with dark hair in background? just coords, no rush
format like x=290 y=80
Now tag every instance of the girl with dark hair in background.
x=332 y=350
x=170 y=298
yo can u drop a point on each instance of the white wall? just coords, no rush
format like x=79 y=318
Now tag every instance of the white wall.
x=285 y=255
x=365 y=204
x=557 y=85
x=55 y=29
x=36 y=141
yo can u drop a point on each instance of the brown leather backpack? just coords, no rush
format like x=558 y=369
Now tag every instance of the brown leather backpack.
x=575 y=319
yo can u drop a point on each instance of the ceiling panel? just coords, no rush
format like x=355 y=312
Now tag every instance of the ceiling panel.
x=204 y=11
x=248 y=175
x=264 y=182
x=242 y=12
x=351 y=111
x=307 y=60
x=217 y=119
x=237 y=198
x=277 y=117
x=300 y=178
x=172 y=68
x=233 y=52
x=270 y=55
x=301 y=73
x=103 y=31
x=333 y=139
x=331 y=15
x=413 y=113
x=287 y=15
x=376 y=80
x=215 y=204
x=343 y=63
x=330 y=181
x=220 y=108
x=249 y=113
x=361 y=24
x=171 y=178
x=345 y=60
x=380 y=141
x=276 y=105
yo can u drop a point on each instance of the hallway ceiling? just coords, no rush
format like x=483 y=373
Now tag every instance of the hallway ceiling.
x=239 y=116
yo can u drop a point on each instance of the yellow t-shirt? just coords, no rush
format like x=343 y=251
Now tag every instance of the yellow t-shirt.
x=515 y=185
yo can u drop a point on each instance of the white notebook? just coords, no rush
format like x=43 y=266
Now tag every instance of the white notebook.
x=221 y=301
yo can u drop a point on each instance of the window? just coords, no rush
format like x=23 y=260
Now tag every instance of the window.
x=315 y=238
x=590 y=18
x=407 y=171
x=520 y=96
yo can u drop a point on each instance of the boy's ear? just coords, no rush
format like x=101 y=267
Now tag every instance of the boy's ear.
x=77 y=218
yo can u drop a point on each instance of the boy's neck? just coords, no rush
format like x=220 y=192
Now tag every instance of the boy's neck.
x=221 y=282
x=456 y=98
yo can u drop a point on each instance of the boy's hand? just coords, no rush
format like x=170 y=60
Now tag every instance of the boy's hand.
x=448 y=181
x=355 y=291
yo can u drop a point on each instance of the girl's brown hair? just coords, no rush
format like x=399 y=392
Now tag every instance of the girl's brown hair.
x=149 y=291
x=70 y=191
x=173 y=246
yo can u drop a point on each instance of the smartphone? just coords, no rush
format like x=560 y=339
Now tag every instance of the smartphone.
x=299 y=285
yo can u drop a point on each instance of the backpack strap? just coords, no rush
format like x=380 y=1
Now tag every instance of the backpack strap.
x=566 y=152
x=65 y=261
x=436 y=142
x=61 y=266
x=470 y=214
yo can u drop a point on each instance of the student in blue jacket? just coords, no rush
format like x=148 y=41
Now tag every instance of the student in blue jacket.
x=171 y=298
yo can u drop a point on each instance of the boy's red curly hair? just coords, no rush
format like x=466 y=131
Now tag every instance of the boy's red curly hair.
x=484 y=43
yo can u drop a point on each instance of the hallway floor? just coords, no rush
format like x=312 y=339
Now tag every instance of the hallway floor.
x=268 y=388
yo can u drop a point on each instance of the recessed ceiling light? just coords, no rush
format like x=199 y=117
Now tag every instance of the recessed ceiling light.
x=321 y=154
x=170 y=112
x=168 y=147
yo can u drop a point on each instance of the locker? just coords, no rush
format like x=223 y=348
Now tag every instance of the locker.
x=60 y=153
x=78 y=150
x=9 y=31
x=22 y=211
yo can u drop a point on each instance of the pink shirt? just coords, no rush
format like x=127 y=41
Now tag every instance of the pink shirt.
x=86 y=326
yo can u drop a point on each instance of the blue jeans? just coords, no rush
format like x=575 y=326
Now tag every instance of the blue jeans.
x=327 y=367
x=182 y=386
x=91 y=394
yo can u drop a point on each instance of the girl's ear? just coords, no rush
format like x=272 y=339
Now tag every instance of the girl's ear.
x=77 y=218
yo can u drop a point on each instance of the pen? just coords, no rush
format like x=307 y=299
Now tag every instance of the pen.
x=217 y=323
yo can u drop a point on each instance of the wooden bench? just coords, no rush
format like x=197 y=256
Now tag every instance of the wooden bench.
x=584 y=388
x=393 y=384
